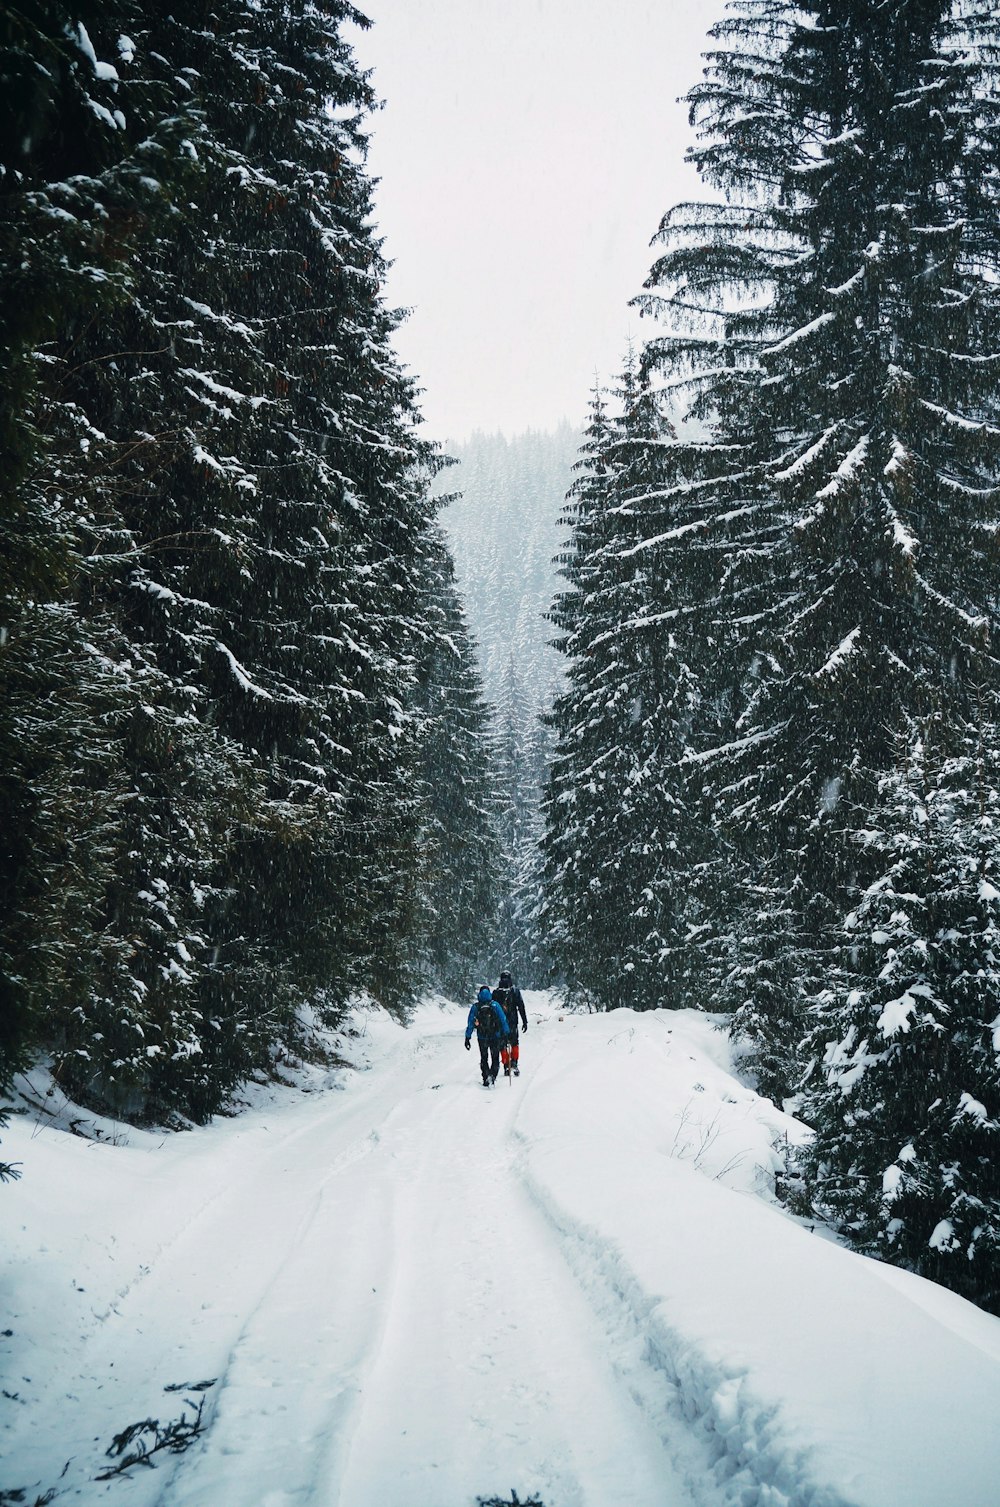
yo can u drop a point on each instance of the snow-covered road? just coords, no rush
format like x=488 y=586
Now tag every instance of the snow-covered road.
x=414 y=1291
x=383 y=1308
x=419 y=1338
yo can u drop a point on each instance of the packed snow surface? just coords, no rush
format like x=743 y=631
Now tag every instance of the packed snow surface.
x=410 y=1291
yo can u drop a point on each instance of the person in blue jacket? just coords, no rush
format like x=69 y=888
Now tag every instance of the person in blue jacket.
x=489 y=1022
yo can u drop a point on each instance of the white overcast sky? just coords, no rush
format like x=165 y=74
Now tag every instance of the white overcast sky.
x=527 y=151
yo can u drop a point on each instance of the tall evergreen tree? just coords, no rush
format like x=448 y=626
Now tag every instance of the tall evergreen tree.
x=834 y=321
x=579 y=931
x=240 y=632
x=641 y=851
x=461 y=879
x=848 y=491
x=522 y=764
x=906 y=1096
x=80 y=170
x=669 y=854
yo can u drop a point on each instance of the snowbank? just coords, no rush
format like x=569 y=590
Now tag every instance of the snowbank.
x=818 y=1378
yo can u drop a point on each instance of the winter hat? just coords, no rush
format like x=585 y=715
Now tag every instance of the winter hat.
x=485 y=993
x=505 y=978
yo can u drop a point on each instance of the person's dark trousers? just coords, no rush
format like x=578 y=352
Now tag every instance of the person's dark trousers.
x=489 y=1056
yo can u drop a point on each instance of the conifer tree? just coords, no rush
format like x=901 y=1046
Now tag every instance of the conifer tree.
x=79 y=170
x=906 y=1094
x=298 y=474
x=834 y=321
x=669 y=857
x=580 y=932
x=459 y=862
x=635 y=710
x=241 y=630
x=521 y=756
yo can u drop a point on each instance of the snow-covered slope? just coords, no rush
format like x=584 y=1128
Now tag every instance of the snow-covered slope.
x=408 y=1291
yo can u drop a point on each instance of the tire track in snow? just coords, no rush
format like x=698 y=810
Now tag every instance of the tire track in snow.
x=487 y=1321
x=294 y=1374
x=723 y=1452
x=294 y=1377
x=220 y=1260
x=640 y=1363
x=390 y=1315
x=243 y=1182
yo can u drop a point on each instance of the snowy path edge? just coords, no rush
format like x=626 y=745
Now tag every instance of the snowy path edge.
x=743 y=1442
x=812 y=1376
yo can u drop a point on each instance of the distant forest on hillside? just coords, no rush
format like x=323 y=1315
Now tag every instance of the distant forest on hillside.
x=505 y=529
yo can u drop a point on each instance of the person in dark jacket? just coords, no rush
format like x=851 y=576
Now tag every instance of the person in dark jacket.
x=508 y=996
x=489 y=1022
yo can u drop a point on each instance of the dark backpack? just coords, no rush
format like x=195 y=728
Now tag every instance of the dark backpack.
x=487 y=1023
x=505 y=999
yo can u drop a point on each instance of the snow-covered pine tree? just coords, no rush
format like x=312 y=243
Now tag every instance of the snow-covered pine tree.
x=522 y=766
x=461 y=878
x=80 y=151
x=670 y=861
x=247 y=536
x=835 y=318
x=297 y=487
x=579 y=931
x=906 y=1095
x=617 y=845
